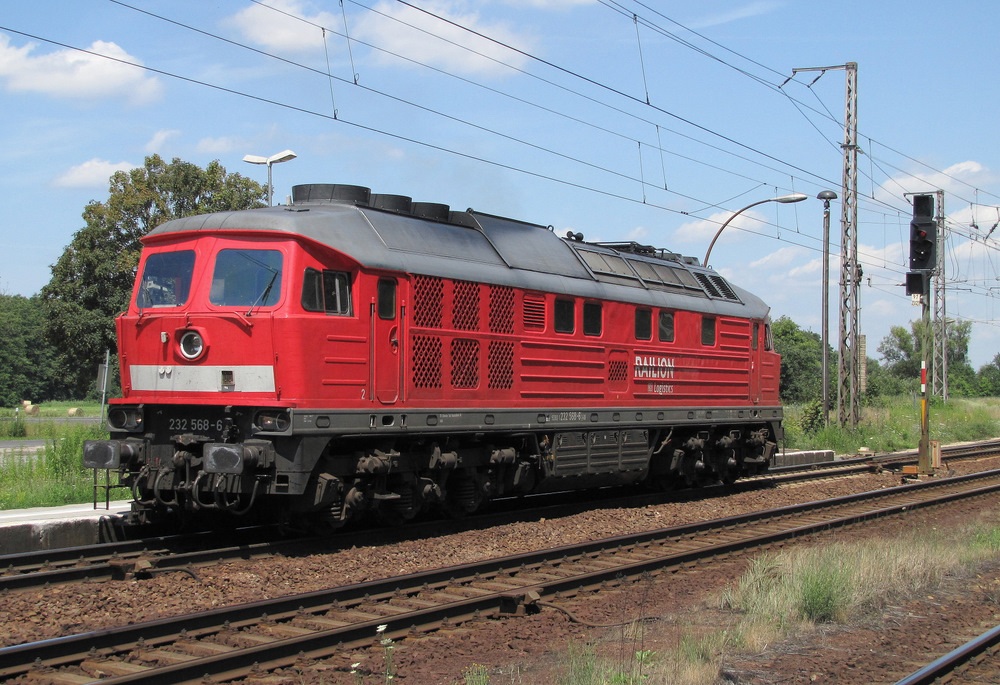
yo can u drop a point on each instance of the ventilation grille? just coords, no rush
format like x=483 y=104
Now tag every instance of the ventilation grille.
x=501 y=367
x=465 y=309
x=464 y=363
x=427 y=291
x=426 y=361
x=617 y=371
x=501 y=309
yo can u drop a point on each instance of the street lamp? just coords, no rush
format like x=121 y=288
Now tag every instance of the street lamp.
x=273 y=159
x=784 y=199
x=826 y=196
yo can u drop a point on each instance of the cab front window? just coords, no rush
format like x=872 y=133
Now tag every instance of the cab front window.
x=166 y=279
x=246 y=278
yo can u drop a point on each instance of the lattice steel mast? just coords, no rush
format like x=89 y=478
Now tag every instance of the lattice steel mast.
x=849 y=352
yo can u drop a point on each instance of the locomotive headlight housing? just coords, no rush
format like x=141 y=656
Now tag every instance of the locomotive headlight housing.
x=126 y=419
x=191 y=344
x=272 y=421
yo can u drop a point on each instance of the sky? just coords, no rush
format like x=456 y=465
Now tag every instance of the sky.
x=625 y=120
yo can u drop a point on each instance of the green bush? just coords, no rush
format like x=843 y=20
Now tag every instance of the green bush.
x=52 y=476
x=13 y=427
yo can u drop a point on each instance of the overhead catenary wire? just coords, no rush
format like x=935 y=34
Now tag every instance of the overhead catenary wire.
x=639 y=143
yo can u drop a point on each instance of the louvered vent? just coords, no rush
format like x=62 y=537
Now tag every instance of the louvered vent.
x=707 y=284
x=534 y=312
x=724 y=288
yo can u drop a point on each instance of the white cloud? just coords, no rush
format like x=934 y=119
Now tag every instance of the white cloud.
x=752 y=9
x=781 y=258
x=638 y=233
x=94 y=173
x=159 y=139
x=702 y=230
x=77 y=75
x=220 y=146
x=549 y=4
x=430 y=40
x=813 y=267
x=289 y=28
x=955 y=180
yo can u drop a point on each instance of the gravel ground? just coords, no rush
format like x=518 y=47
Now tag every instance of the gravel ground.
x=531 y=650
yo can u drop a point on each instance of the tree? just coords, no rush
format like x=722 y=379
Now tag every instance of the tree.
x=92 y=279
x=25 y=359
x=801 y=361
x=988 y=379
x=902 y=352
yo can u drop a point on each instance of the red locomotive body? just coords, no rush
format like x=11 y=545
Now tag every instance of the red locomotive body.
x=353 y=352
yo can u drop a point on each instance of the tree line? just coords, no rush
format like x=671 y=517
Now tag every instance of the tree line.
x=55 y=340
x=898 y=373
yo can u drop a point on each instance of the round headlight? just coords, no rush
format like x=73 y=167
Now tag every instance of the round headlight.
x=192 y=345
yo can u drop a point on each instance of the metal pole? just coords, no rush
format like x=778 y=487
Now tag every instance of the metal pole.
x=826 y=312
x=826 y=196
x=923 y=449
x=270 y=188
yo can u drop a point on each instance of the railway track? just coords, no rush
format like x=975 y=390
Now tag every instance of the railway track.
x=228 y=642
x=973 y=662
x=184 y=553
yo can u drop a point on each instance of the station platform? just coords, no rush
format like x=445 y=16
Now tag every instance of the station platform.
x=29 y=530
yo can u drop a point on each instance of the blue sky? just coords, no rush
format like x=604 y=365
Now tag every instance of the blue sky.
x=647 y=121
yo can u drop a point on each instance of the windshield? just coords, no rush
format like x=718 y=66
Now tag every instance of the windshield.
x=166 y=279
x=246 y=278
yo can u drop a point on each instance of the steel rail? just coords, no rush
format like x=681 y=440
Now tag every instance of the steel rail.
x=954 y=659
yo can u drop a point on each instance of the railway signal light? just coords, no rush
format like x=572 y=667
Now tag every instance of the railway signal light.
x=923 y=235
x=917 y=282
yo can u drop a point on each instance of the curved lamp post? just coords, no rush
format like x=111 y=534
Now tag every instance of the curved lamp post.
x=784 y=199
x=283 y=156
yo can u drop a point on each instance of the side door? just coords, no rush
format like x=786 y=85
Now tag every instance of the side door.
x=755 y=361
x=386 y=341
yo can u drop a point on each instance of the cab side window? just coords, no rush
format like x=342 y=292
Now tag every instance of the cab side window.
x=592 y=318
x=643 y=324
x=386 y=299
x=665 y=328
x=327 y=291
x=708 y=331
x=564 y=316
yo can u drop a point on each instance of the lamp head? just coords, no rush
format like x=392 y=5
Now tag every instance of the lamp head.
x=794 y=197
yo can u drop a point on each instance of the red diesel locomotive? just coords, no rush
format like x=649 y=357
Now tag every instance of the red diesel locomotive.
x=354 y=352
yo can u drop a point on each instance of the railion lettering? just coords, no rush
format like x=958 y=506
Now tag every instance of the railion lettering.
x=654 y=367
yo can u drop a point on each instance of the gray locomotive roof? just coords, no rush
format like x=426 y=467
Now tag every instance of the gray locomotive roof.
x=481 y=247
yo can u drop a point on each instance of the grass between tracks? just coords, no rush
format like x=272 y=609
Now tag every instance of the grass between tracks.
x=791 y=592
x=893 y=424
